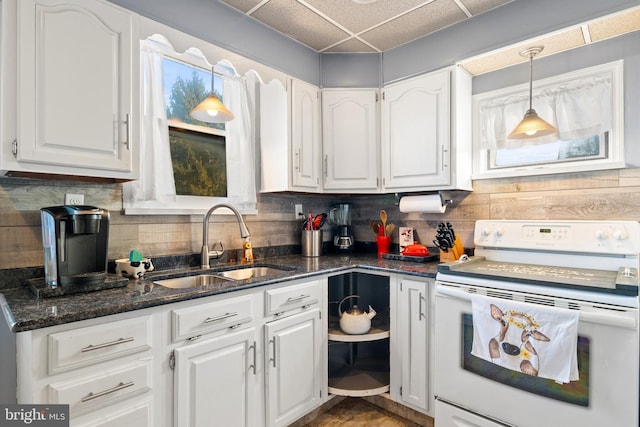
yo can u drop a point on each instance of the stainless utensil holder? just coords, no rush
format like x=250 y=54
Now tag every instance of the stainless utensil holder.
x=311 y=243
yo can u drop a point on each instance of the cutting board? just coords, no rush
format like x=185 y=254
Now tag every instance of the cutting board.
x=399 y=257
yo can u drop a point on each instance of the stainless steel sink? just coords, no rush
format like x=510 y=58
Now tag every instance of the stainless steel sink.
x=250 y=272
x=218 y=277
x=201 y=280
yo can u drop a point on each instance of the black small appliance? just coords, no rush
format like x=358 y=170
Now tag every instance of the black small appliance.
x=75 y=241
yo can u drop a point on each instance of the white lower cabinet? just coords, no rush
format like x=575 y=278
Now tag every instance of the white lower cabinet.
x=247 y=358
x=411 y=349
x=254 y=357
x=293 y=366
x=216 y=381
x=105 y=369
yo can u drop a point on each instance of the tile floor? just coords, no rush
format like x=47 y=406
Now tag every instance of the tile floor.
x=356 y=412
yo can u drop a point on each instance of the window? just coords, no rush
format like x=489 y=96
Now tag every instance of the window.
x=585 y=106
x=198 y=153
x=187 y=166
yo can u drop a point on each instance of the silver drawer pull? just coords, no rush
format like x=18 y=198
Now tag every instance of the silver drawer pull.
x=296 y=299
x=92 y=347
x=119 y=387
x=224 y=316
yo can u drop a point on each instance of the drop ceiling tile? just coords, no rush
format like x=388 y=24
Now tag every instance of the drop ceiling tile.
x=505 y=58
x=425 y=20
x=357 y=17
x=477 y=7
x=351 y=45
x=615 y=25
x=242 y=5
x=300 y=23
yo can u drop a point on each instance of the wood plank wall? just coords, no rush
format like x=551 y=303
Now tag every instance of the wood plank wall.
x=613 y=194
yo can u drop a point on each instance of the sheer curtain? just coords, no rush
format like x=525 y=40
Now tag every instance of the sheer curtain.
x=579 y=108
x=156 y=181
x=241 y=185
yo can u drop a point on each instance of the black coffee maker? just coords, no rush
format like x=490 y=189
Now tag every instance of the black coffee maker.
x=75 y=241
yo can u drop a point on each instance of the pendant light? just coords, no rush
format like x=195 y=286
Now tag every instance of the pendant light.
x=211 y=110
x=531 y=125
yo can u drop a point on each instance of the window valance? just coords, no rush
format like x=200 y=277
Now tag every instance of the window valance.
x=578 y=108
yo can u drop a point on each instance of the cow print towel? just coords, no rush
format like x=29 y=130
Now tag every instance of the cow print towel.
x=533 y=339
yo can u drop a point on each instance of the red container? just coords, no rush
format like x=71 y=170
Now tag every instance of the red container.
x=383 y=243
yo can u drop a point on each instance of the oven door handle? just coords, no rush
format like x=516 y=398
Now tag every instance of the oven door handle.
x=585 y=316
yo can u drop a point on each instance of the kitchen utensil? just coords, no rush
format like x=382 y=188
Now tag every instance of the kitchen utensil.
x=316 y=223
x=375 y=226
x=354 y=321
x=383 y=218
x=389 y=229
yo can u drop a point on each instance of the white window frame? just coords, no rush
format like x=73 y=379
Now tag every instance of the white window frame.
x=614 y=158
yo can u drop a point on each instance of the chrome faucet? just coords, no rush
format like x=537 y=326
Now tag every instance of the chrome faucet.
x=244 y=231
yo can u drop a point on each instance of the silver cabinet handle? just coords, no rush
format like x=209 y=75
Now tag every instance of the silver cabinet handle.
x=298 y=160
x=255 y=350
x=92 y=347
x=420 y=313
x=127 y=131
x=444 y=158
x=296 y=299
x=221 y=317
x=326 y=165
x=119 y=387
x=273 y=359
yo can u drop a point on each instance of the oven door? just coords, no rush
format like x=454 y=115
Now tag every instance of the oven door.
x=606 y=394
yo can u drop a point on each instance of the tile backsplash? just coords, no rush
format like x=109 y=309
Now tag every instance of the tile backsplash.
x=611 y=194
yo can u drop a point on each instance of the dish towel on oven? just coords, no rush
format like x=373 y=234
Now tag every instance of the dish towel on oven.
x=534 y=339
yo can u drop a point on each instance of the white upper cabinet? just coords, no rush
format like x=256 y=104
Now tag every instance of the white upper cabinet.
x=350 y=140
x=426 y=124
x=77 y=73
x=306 y=149
x=290 y=129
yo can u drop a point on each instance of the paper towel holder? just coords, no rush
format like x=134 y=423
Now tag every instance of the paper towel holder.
x=445 y=198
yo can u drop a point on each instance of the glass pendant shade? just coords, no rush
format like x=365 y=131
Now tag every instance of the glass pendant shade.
x=211 y=110
x=531 y=126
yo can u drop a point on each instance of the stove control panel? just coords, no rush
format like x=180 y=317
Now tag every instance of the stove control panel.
x=612 y=237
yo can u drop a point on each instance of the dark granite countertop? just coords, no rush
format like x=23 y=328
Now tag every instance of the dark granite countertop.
x=25 y=312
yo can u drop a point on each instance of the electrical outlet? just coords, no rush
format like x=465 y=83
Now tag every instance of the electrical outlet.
x=299 y=213
x=73 y=199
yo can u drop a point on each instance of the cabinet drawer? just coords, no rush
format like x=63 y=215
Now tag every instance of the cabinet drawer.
x=85 y=346
x=210 y=317
x=92 y=392
x=291 y=297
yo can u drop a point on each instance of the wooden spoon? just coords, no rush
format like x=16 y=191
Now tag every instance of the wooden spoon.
x=383 y=218
x=389 y=229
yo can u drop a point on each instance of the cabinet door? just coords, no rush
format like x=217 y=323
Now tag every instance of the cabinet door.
x=416 y=132
x=215 y=382
x=293 y=367
x=350 y=139
x=75 y=87
x=412 y=317
x=306 y=147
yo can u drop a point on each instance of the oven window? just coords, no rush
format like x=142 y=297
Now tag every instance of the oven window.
x=575 y=392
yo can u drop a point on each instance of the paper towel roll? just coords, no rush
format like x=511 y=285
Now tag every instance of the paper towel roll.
x=431 y=203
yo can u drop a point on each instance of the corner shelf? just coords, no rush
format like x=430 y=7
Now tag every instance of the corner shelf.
x=365 y=375
x=378 y=331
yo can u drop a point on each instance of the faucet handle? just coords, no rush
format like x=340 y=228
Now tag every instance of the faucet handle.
x=215 y=253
